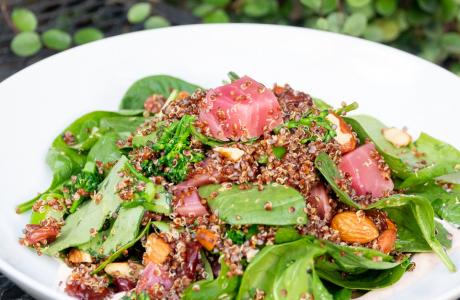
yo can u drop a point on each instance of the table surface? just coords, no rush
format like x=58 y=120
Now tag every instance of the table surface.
x=113 y=23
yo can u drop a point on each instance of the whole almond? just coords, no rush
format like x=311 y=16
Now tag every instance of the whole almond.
x=354 y=228
x=344 y=136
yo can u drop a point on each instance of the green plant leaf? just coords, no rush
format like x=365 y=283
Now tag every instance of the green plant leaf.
x=386 y=7
x=56 y=39
x=249 y=206
x=451 y=42
x=259 y=8
x=26 y=44
x=139 y=91
x=429 y=6
x=91 y=215
x=223 y=287
x=358 y=3
x=139 y=12
x=87 y=35
x=355 y=24
x=24 y=19
x=216 y=16
x=156 y=22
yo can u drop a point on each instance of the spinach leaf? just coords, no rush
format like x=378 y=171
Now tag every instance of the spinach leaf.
x=424 y=160
x=48 y=211
x=417 y=210
x=122 y=125
x=444 y=202
x=286 y=235
x=274 y=205
x=105 y=149
x=91 y=215
x=124 y=229
x=121 y=250
x=342 y=294
x=356 y=259
x=368 y=280
x=330 y=172
x=223 y=287
x=269 y=264
x=136 y=95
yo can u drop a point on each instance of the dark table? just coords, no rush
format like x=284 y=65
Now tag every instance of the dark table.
x=107 y=15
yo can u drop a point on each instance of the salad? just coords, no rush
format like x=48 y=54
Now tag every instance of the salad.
x=240 y=192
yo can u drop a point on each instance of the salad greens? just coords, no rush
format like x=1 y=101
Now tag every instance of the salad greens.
x=274 y=205
x=134 y=190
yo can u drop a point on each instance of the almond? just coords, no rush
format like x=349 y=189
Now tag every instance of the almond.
x=345 y=136
x=77 y=256
x=354 y=227
x=386 y=240
x=128 y=270
x=398 y=137
x=156 y=250
x=231 y=153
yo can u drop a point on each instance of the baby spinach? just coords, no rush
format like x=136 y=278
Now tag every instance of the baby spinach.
x=48 y=211
x=417 y=210
x=124 y=229
x=105 y=149
x=89 y=218
x=122 y=249
x=270 y=263
x=223 y=287
x=368 y=280
x=274 y=205
x=444 y=202
x=123 y=125
x=136 y=95
x=286 y=235
x=420 y=162
x=330 y=172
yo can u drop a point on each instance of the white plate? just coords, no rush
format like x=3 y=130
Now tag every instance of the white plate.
x=39 y=101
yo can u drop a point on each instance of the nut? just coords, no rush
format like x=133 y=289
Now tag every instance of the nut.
x=77 y=256
x=398 y=137
x=386 y=240
x=156 y=250
x=229 y=152
x=354 y=227
x=344 y=136
x=127 y=270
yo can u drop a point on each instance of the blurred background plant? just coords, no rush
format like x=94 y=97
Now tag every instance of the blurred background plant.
x=36 y=29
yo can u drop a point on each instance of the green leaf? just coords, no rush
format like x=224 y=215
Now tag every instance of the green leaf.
x=449 y=9
x=105 y=150
x=122 y=125
x=369 y=280
x=374 y=33
x=451 y=42
x=139 y=12
x=329 y=170
x=259 y=8
x=429 y=6
x=386 y=7
x=87 y=35
x=24 y=19
x=358 y=3
x=355 y=24
x=26 y=44
x=335 y=23
x=314 y=5
x=286 y=235
x=124 y=229
x=48 y=211
x=218 y=3
x=217 y=16
x=420 y=211
x=249 y=206
x=444 y=202
x=390 y=29
x=139 y=91
x=156 y=22
x=223 y=287
x=56 y=39
x=91 y=215
x=269 y=264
